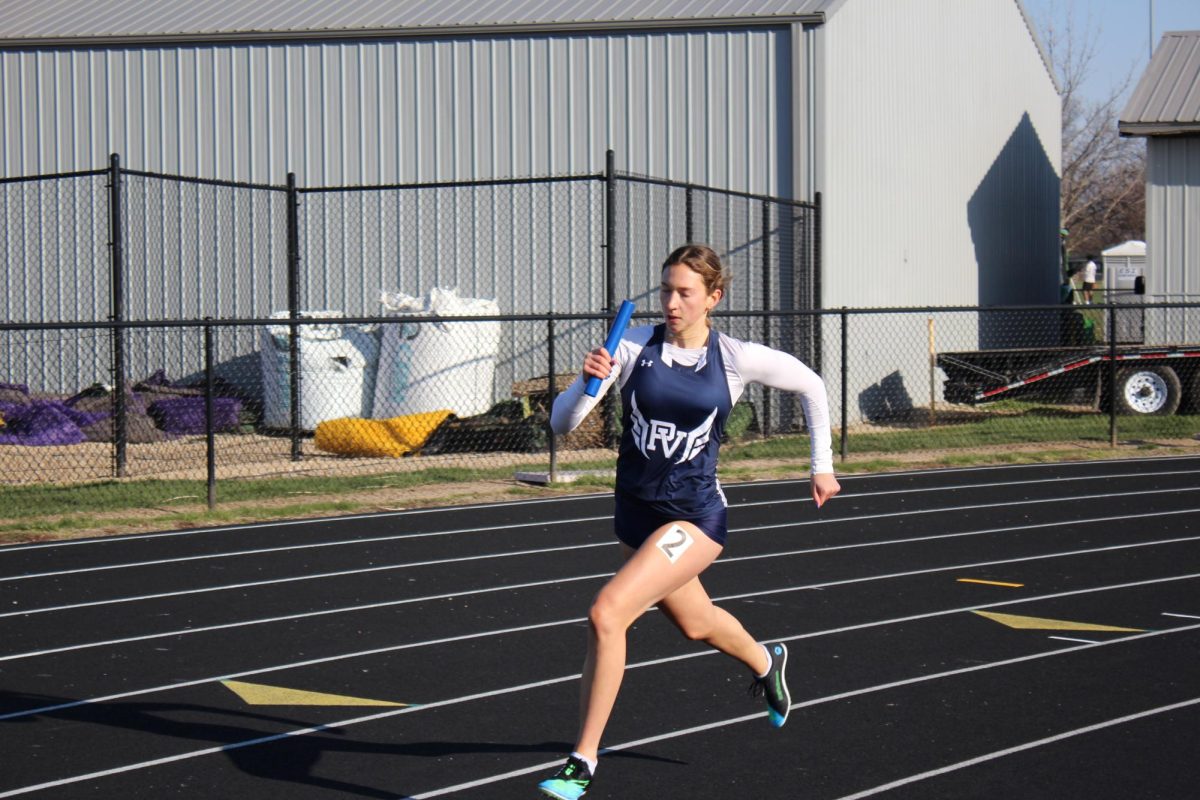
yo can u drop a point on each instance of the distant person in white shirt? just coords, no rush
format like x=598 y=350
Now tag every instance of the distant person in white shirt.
x=1089 y=280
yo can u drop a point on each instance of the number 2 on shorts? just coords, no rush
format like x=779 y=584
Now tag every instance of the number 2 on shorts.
x=674 y=543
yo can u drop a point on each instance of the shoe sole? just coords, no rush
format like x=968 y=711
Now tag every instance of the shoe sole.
x=551 y=793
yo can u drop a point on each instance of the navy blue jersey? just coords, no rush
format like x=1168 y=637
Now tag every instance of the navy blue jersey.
x=673 y=417
x=674 y=406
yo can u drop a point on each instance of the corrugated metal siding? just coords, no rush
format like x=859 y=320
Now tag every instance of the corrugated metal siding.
x=698 y=107
x=706 y=107
x=1173 y=236
x=966 y=169
x=54 y=251
x=1167 y=98
x=96 y=18
x=941 y=160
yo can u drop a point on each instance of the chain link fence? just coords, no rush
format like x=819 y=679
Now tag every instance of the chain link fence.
x=475 y=395
x=168 y=337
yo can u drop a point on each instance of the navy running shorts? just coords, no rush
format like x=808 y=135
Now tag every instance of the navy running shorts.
x=635 y=520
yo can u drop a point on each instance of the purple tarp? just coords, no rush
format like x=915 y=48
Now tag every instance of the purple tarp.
x=44 y=422
x=156 y=410
x=185 y=415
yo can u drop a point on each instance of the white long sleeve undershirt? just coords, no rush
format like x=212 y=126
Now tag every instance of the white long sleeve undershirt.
x=745 y=363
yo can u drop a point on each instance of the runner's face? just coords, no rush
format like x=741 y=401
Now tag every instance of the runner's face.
x=685 y=301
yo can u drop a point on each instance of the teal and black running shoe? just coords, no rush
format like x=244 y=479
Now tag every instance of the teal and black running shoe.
x=774 y=685
x=570 y=783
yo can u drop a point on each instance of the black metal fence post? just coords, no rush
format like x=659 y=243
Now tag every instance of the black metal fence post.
x=610 y=271
x=816 y=332
x=689 y=215
x=117 y=288
x=845 y=374
x=610 y=232
x=1112 y=374
x=210 y=439
x=551 y=391
x=293 y=282
x=768 y=410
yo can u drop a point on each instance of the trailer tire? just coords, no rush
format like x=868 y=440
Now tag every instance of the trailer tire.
x=1191 y=397
x=1148 y=391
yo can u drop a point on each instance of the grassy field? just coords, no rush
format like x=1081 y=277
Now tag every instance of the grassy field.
x=1012 y=432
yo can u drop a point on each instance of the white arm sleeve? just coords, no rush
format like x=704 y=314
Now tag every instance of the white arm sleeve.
x=573 y=405
x=760 y=364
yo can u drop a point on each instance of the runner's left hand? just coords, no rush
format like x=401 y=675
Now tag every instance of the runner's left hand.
x=824 y=486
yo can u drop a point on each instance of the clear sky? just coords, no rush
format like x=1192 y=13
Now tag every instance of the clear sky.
x=1122 y=31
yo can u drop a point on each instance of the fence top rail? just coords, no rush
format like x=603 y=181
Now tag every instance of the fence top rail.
x=556 y=317
x=634 y=178
x=1042 y=308
x=453 y=184
x=625 y=176
x=203 y=181
x=300 y=322
x=54 y=176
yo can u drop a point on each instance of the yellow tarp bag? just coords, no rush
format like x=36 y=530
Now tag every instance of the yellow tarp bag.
x=393 y=437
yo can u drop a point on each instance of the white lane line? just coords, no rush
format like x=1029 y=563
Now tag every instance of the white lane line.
x=555 y=581
x=317 y=661
x=537 y=551
x=1181 y=616
x=960 y=534
x=306 y=615
x=950 y=509
x=548 y=765
x=294 y=547
x=290 y=523
x=578 y=620
x=808 y=704
x=968 y=486
x=1008 y=751
x=317 y=576
x=576 y=521
x=534 y=584
x=1070 y=639
x=914 y=573
x=852 y=478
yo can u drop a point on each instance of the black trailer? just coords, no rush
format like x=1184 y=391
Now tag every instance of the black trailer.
x=1158 y=380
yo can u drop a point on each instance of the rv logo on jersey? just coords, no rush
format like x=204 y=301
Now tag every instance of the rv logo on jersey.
x=658 y=436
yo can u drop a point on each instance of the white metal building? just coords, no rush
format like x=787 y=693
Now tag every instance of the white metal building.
x=931 y=127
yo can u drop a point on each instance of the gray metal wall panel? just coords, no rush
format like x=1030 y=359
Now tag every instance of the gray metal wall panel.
x=699 y=107
x=1173 y=236
x=934 y=195
x=941 y=153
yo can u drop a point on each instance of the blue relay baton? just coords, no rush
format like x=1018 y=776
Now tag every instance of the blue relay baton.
x=614 y=338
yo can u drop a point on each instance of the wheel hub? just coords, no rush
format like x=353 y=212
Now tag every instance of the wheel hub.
x=1145 y=392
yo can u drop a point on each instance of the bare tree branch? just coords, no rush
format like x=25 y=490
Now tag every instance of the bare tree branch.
x=1102 y=196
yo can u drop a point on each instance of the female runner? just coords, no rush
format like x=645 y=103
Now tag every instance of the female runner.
x=678 y=381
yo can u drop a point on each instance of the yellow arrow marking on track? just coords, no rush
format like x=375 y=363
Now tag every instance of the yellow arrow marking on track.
x=256 y=694
x=1040 y=624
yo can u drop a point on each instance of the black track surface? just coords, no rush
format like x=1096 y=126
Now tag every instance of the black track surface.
x=113 y=651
